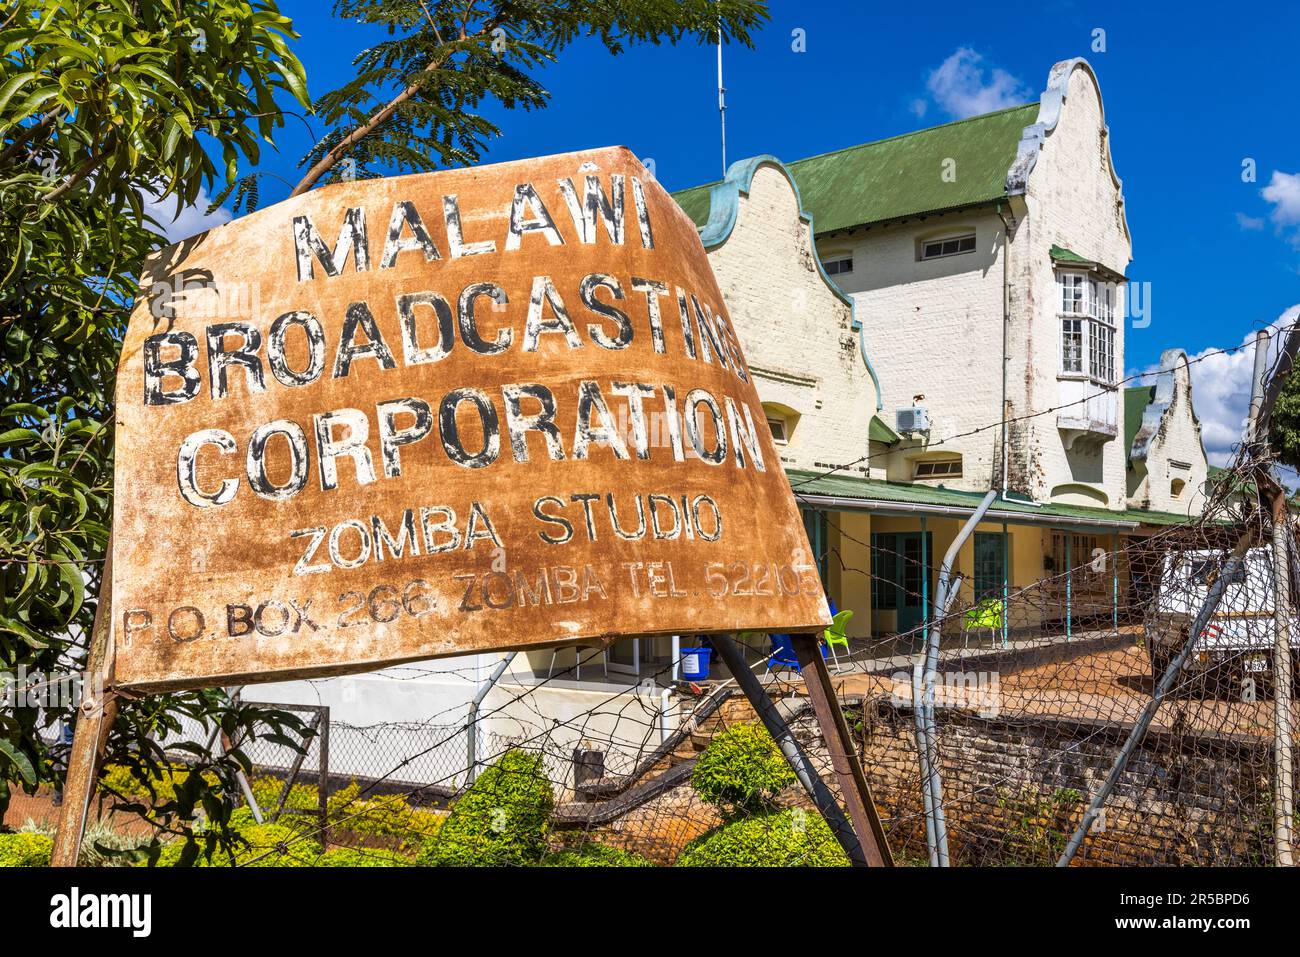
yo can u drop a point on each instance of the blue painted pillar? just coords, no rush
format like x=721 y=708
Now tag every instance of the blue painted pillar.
x=1069 y=586
x=925 y=576
x=1114 y=581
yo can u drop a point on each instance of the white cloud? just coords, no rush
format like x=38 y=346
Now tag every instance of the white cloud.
x=1283 y=191
x=918 y=107
x=962 y=87
x=1249 y=222
x=1221 y=391
x=179 y=222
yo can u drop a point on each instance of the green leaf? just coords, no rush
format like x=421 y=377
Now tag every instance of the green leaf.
x=19 y=761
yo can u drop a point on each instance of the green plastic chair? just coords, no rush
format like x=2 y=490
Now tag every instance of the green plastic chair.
x=835 y=634
x=985 y=614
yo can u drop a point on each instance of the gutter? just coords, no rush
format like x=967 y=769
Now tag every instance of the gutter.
x=905 y=508
x=1006 y=323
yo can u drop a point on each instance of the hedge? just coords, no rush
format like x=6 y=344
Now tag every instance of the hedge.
x=25 y=849
x=595 y=855
x=742 y=771
x=790 y=838
x=500 y=821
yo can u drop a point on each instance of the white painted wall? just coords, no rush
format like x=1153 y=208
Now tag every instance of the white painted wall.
x=795 y=331
x=1073 y=199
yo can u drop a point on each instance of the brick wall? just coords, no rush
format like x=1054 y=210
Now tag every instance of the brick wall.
x=1014 y=790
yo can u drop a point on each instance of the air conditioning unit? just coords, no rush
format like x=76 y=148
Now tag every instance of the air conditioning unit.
x=913 y=419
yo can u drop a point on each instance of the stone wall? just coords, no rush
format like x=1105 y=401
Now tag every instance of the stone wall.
x=1015 y=789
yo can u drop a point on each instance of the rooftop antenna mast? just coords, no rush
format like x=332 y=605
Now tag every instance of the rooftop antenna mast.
x=722 y=101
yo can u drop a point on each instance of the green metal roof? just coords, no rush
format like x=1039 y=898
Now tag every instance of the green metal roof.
x=903 y=175
x=1136 y=401
x=878 y=431
x=901 y=493
x=1062 y=255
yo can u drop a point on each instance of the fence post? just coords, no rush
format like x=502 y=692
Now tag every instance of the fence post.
x=1283 y=803
x=322 y=787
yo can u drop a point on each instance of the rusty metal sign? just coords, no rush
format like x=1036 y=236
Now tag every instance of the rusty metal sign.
x=474 y=410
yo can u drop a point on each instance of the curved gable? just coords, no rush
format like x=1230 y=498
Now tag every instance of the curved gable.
x=1051 y=106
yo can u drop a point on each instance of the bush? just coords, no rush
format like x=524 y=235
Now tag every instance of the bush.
x=742 y=771
x=25 y=849
x=99 y=842
x=791 y=838
x=287 y=847
x=362 y=857
x=500 y=821
x=595 y=855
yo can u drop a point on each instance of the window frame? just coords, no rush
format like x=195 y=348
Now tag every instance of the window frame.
x=833 y=265
x=941 y=241
x=784 y=437
x=933 y=464
x=1086 y=326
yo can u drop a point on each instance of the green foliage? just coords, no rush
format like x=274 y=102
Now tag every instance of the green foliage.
x=595 y=855
x=101 y=844
x=25 y=849
x=418 y=99
x=501 y=820
x=1039 y=826
x=105 y=105
x=255 y=845
x=790 y=838
x=362 y=857
x=742 y=771
x=384 y=816
x=1284 y=424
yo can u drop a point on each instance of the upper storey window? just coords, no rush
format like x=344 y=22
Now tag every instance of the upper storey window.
x=948 y=246
x=1087 y=311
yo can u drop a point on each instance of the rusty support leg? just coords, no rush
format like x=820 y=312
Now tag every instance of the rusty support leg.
x=323 y=784
x=844 y=757
x=776 y=725
x=97 y=711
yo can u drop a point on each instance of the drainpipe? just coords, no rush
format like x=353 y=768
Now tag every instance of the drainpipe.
x=1006 y=322
x=932 y=788
x=471 y=723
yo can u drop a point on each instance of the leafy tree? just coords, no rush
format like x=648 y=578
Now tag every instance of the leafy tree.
x=104 y=104
x=1284 y=424
x=416 y=99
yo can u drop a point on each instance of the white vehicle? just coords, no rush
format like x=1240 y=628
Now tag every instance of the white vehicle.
x=1237 y=641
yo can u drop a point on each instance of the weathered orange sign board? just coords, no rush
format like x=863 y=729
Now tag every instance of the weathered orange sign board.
x=473 y=410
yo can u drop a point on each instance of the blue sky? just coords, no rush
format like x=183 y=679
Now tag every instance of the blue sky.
x=1191 y=93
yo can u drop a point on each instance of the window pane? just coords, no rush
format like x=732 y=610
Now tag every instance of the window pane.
x=1071 y=345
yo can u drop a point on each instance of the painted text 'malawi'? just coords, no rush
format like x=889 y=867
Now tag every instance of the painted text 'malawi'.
x=426 y=326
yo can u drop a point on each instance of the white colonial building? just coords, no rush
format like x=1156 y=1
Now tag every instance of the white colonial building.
x=938 y=314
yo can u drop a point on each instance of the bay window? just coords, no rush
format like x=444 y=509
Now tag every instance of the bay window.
x=1087 y=327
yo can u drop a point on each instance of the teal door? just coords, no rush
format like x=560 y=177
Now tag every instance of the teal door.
x=901 y=579
x=917 y=585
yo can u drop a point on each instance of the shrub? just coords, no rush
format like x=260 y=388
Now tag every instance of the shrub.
x=25 y=849
x=101 y=844
x=500 y=821
x=286 y=847
x=362 y=857
x=595 y=855
x=790 y=838
x=742 y=771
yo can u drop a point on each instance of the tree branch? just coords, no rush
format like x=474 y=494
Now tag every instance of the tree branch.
x=382 y=116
